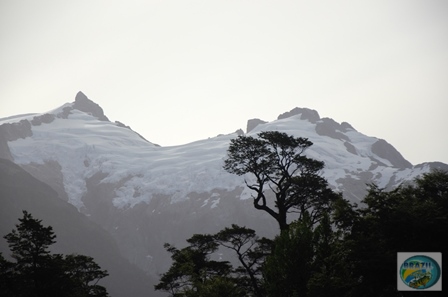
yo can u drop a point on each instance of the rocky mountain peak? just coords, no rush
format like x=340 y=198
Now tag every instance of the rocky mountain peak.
x=306 y=114
x=84 y=104
x=252 y=123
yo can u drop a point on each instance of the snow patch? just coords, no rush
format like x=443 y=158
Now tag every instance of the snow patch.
x=85 y=146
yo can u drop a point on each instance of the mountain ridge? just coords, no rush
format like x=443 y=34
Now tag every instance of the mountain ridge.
x=145 y=195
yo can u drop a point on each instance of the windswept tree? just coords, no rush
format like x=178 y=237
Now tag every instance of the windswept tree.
x=279 y=166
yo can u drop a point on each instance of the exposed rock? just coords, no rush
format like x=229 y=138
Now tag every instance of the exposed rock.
x=239 y=132
x=433 y=166
x=84 y=104
x=17 y=130
x=357 y=188
x=11 y=132
x=373 y=166
x=376 y=161
x=346 y=127
x=49 y=173
x=120 y=124
x=306 y=114
x=5 y=153
x=350 y=148
x=386 y=151
x=251 y=124
x=66 y=111
x=328 y=127
x=45 y=119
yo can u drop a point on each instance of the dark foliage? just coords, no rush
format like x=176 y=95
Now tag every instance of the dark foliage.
x=36 y=272
x=334 y=248
x=278 y=165
x=251 y=252
x=308 y=260
x=193 y=273
x=349 y=252
x=411 y=218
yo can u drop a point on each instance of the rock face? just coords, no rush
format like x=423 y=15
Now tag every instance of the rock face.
x=328 y=127
x=384 y=150
x=43 y=119
x=83 y=103
x=11 y=132
x=346 y=127
x=305 y=114
x=251 y=124
x=143 y=195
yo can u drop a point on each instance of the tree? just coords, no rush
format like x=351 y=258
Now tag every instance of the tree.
x=251 y=253
x=84 y=275
x=287 y=270
x=331 y=270
x=29 y=246
x=411 y=218
x=30 y=241
x=277 y=162
x=36 y=272
x=308 y=259
x=6 y=277
x=193 y=273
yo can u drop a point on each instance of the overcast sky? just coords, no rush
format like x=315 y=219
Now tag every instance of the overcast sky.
x=180 y=71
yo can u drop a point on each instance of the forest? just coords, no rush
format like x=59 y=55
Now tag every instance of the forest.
x=332 y=248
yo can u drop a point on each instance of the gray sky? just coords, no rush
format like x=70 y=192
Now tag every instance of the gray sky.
x=180 y=71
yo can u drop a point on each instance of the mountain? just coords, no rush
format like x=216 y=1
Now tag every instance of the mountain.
x=75 y=233
x=143 y=195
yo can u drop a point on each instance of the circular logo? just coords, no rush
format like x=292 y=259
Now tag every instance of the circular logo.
x=420 y=272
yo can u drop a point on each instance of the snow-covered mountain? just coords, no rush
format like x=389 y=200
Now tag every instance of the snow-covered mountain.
x=75 y=233
x=144 y=194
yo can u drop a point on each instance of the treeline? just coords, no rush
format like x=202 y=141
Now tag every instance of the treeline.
x=334 y=248
x=35 y=272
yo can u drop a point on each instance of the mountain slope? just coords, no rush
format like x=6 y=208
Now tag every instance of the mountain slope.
x=75 y=233
x=144 y=195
